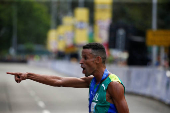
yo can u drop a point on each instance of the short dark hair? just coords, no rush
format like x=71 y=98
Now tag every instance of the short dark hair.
x=97 y=50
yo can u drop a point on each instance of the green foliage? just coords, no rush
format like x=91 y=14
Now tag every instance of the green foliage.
x=33 y=23
x=137 y=14
x=29 y=47
x=5 y=27
x=163 y=20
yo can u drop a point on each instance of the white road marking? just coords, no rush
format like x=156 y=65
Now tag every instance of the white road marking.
x=41 y=104
x=36 y=98
x=46 y=111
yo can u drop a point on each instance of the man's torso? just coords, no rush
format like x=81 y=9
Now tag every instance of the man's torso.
x=102 y=101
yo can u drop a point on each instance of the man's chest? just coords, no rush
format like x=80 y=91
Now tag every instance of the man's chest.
x=102 y=95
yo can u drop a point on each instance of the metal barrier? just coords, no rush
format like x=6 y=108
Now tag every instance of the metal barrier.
x=146 y=81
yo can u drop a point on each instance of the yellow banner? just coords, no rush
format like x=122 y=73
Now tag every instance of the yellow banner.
x=68 y=34
x=51 y=40
x=68 y=20
x=103 y=15
x=81 y=14
x=61 y=38
x=103 y=1
x=81 y=25
x=158 y=37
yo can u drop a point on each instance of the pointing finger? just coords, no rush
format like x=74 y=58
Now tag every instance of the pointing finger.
x=13 y=73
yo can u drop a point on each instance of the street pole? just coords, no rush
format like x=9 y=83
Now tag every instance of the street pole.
x=70 y=7
x=53 y=18
x=154 y=27
x=53 y=14
x=13 y=50
x=81 y=3
x=162 y=53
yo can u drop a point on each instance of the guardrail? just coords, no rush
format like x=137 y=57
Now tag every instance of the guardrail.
x=147 y=81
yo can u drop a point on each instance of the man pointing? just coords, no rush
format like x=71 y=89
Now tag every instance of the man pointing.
x=106 y=91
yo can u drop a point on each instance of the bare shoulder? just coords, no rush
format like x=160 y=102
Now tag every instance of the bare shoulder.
x=116 y=89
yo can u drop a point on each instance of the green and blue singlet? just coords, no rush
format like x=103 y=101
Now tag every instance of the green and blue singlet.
x=99 y=103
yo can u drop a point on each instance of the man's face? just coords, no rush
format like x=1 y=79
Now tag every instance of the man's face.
x=87 y=62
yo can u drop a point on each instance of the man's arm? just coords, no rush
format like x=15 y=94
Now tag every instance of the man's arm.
x=116 y=90
x=54 y=80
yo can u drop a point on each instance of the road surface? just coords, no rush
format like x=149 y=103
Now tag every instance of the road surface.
x=33 y=97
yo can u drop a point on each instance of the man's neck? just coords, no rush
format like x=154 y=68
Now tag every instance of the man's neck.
x=99 y=74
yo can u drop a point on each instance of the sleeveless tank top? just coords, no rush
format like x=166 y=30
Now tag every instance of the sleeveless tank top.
x=99 y=103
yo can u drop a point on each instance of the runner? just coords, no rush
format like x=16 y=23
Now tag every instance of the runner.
x=106 y=91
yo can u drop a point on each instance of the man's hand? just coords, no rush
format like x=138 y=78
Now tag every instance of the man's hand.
x=19 y=76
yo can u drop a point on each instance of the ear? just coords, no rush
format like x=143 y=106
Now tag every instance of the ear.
x=98 y=59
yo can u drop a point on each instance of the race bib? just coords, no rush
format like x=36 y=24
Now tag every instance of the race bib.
x=93 y=104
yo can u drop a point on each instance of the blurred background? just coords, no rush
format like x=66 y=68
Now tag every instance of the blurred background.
x=134 y=32
x=51 y=33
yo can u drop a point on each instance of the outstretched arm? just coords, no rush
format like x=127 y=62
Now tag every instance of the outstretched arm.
x=116 y=91
x=53 y=80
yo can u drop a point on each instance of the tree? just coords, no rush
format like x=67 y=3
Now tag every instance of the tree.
x=33 y=23
x=5 y=26
x=135 y=14
x=139 y=14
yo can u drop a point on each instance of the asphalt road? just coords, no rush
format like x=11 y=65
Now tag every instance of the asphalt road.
x=33 y=97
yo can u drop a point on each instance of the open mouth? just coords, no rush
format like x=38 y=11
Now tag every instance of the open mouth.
x=83 y=69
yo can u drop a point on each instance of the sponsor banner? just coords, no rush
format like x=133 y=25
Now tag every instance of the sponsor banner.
x=81 y=25
x=52 y=40
x=69 y=35
x=102 y=17
x=158 y=37
x=61 y=38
